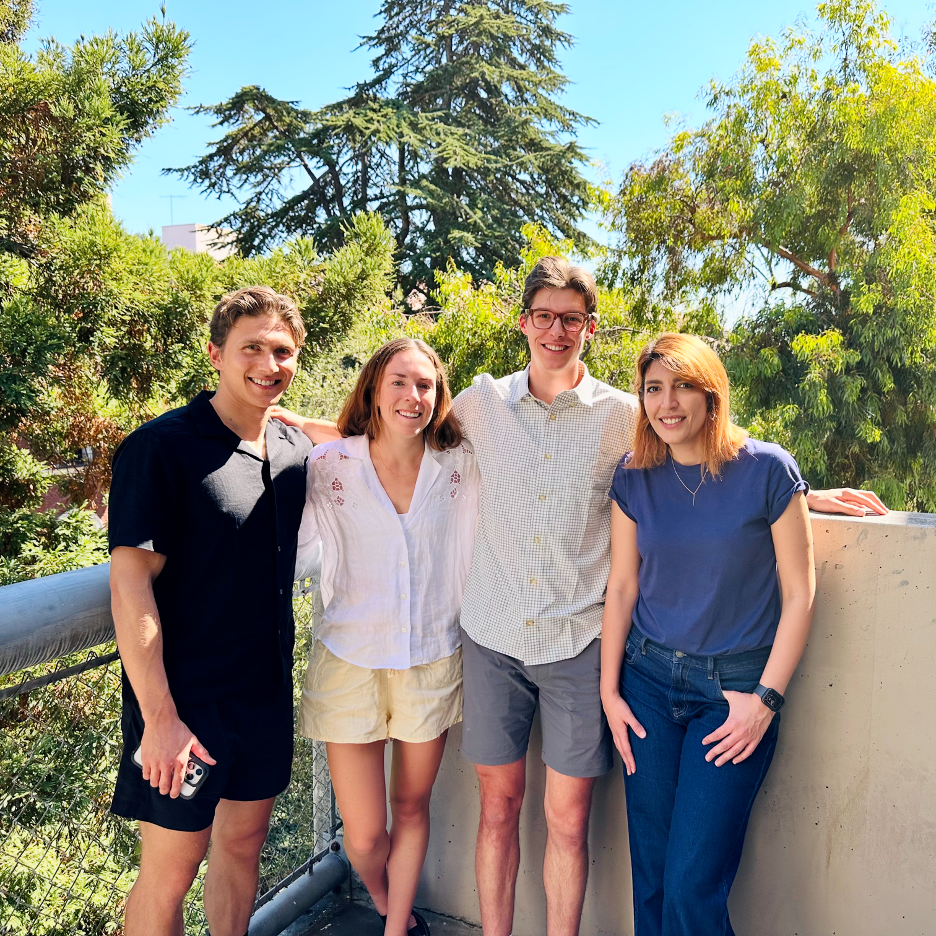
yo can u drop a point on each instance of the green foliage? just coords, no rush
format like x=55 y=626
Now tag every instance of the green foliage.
x=15 y=16
x=813 y=183
x=107 y=330
x=36 y=544
x=23 y=479
x=71 y=117
x=457 y=140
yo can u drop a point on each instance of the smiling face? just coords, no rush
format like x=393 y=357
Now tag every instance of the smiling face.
x=677 y=410
x=555 y=349
x=256 y=363
x=406 y=395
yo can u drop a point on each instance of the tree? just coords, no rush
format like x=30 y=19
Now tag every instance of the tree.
x=457 y=140
x=813 y=183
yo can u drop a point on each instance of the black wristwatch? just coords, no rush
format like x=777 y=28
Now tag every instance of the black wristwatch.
x=770 y=697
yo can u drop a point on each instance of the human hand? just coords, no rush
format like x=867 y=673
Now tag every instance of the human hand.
x=620 y=717
x=288 y=417
x=748 y=719
x=845 y=501
x=164 y=753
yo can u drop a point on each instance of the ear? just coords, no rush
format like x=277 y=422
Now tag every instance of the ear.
x=522 y=323
x=214 y=355
x=592 y=327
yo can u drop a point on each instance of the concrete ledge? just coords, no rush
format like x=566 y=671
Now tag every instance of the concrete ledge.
x=843 y=838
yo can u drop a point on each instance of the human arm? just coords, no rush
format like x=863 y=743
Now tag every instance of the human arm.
x=309 y=545
x=845 y=501
x=748 y=717
x=620 y=598
x=166 y=739
x=316 y=430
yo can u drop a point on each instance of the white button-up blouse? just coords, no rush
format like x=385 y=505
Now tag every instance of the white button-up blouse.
x=391 y=583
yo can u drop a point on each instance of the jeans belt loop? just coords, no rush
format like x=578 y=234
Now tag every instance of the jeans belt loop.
x=643 y=645
x=711 y=667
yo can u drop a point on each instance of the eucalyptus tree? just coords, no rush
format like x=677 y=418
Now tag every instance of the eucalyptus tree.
x=812 y=187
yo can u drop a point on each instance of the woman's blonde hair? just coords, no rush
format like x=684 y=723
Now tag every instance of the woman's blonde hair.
x=359 y=415
x=692 y=359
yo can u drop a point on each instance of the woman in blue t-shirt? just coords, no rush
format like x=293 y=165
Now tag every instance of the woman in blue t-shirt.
x=709 y=604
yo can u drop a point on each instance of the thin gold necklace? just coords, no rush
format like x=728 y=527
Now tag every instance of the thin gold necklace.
x=395 y=475
x=683 y=483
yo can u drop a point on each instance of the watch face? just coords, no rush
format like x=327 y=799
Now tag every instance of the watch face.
x=773 y=700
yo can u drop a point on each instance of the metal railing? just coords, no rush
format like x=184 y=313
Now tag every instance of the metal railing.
x=67 y=864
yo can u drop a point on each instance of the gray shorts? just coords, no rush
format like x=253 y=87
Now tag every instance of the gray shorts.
x=500 y=699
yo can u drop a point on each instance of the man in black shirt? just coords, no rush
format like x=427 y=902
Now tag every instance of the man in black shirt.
x=204 y=511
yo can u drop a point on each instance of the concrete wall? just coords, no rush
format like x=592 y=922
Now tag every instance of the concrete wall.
x=843 y=838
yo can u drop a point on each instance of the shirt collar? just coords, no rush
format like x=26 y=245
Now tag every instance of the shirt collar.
x=584 y=390
x=207 y=421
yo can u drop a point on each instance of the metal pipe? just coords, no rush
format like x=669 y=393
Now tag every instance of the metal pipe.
x=46 y=618
x=299 y=897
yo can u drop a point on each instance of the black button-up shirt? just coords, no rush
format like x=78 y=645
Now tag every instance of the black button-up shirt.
x=226 y=520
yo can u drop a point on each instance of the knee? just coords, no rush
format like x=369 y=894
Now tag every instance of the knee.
x=364 y=842
x=409 y=810
x=242 y=845
x=567 y=824
x=500 y=810
x=167 y=882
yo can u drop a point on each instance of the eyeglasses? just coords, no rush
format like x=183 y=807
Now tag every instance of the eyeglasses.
x=543 y=319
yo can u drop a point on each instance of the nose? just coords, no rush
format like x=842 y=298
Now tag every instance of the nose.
x=557 y=328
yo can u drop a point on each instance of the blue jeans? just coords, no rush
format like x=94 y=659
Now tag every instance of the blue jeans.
x=687 y=818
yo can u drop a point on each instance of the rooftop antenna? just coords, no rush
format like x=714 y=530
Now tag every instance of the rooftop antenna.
x=170 y=197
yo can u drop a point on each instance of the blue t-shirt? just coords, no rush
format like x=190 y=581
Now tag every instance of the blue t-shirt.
x=708 y=573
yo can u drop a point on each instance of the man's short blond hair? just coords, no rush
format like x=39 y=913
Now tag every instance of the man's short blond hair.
x=255 y=301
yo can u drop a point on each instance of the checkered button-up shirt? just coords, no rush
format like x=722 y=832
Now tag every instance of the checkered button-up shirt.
x=542 y=547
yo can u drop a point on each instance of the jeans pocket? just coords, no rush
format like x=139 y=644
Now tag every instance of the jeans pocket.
x=741 y=680
x=631 y=649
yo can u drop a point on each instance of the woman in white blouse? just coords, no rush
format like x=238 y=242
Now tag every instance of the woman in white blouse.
x=394 y=504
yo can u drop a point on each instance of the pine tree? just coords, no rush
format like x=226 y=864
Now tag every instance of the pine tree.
x=457 y=140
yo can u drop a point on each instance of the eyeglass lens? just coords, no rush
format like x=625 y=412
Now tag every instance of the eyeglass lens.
x=571 y=321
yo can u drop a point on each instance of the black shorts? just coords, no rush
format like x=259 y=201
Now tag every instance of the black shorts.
x=251 y=740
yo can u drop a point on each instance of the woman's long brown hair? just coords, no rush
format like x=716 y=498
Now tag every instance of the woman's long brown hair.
x=359 y=414
x=692 y=359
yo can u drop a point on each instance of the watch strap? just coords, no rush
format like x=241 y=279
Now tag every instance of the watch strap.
x=770 y=697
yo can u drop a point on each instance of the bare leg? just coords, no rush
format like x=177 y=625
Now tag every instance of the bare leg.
x=497 y=856
x=565 y=869
x=240 y=829
x=415 y=766
x=169 y=861
x=357 y=773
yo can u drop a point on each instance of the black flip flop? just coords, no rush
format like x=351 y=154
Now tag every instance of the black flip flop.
x=421 y=928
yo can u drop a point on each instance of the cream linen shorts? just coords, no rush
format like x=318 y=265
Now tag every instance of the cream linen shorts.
x=348 y=704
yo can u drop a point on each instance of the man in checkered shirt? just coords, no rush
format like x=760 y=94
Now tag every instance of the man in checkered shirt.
x=547 y=441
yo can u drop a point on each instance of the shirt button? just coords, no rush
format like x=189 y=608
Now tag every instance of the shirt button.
x=279 y=548
x=537 y=540
x=402 y=564
x=402 y=597
x=404 y=629
x=529 y=623
x=281 y=591
x=542 y=497
x=532 y=581
x=552 y=415
x=547 y=457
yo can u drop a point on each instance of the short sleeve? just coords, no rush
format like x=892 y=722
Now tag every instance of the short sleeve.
x=784 y=480
x=464 y=407
x=143 y=500
x=619 y=487
x=309 y=549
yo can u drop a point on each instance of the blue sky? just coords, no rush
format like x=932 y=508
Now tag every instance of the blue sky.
x=632 y=63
